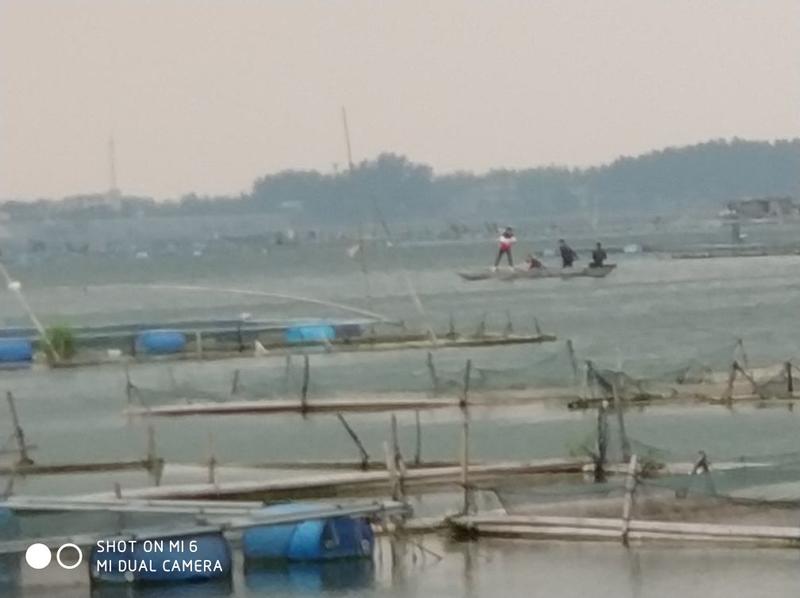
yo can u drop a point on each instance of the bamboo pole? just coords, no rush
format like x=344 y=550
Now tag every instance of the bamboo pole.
x=602 y=444
x=573 y=362
x=19 y=435
x=212 y=460
x=9 y=487
x=608 y=528
x=418 y=445
x=618 y=408
x=537 y=327
x=509 y=329
x=151 y=445
x=727 y=394
x=391 y=467
x=451 y=329
x=789 y=380
x=129 y=387
x=627 y=505
x=740 y=344
x=395 y=439
x=465 y=440
x=357 y=440
x=288 y=372
x=304 y=389
x=432 y=372
x=480 y=332
x=235 y=381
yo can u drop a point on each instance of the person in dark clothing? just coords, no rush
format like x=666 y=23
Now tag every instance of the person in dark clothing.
x=533 y=263
x=568 y=255
x=598 y=257
x=506 y=240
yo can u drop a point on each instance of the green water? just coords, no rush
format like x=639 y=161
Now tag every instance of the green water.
x=650 y=315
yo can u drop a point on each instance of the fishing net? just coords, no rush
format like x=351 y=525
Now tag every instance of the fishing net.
x=681 y=485
x=543 y=371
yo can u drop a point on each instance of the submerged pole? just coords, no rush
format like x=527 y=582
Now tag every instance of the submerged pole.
x=19 y=435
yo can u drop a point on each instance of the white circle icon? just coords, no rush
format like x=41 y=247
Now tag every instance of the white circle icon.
x=38 y=556
x=77 y=562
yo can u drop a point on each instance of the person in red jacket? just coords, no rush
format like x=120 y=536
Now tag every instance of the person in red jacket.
x=506 y=240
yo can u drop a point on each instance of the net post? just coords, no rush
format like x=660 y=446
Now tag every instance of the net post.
x=19 y=435
x=432 y=372
x=304 y=389
x=627 y=505
x=463 y=404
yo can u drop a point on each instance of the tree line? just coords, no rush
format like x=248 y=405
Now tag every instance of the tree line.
x=391 y=187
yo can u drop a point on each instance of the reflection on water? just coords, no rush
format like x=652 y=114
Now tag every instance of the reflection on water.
x=496 y=569
x=304 y=578
x=212 y=589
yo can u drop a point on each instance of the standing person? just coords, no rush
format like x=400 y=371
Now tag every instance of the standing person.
x=568 y=255
x=598 y=256
x=506 y=240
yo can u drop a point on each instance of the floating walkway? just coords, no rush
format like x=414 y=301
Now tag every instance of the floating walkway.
x=536 y=527
x=349 y=483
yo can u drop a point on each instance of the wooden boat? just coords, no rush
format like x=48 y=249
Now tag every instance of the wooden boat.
x=519 y=274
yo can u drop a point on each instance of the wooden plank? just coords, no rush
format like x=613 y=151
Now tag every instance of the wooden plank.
x=612 y=525
x=73 y=468
x=293 y=406
x=333 y=483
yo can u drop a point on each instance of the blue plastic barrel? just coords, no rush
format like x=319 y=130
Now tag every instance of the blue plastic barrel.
x=160 y=342
x=190 y=558
x=310 y=333
x=310 y=540
x=15 y=350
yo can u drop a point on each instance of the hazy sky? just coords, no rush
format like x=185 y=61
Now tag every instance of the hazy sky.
x=206 y=95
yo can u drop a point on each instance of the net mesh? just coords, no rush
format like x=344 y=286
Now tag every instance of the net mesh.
x=553 y=370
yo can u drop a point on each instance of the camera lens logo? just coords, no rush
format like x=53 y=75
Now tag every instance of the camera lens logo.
x=38 y=556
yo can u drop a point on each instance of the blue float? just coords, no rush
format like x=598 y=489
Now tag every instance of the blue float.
x=310 y=333
x=16 y=351
x=160 y=342
x=313 y=540
x=195 y=557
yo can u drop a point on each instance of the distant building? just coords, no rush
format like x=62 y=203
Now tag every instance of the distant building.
x=763 y=207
